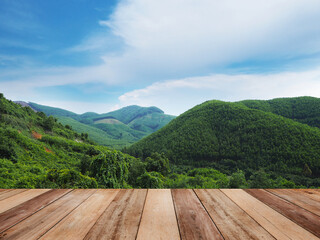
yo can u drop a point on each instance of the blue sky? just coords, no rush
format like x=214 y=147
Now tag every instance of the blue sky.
x=98 y=55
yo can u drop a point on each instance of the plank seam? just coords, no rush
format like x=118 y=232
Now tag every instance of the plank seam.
x=207 y=212
x=259 y=214
x=144 y=203
x=283 y=214
x=175 y=213
x=37 y=210
x=65 y=216
x=291 y=202
x=14 y=194
x=103 y=211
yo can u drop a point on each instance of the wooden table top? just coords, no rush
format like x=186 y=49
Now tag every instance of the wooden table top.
x=160 y=214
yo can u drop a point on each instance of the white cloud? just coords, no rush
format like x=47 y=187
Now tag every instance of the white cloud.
x=177 y=96
x=180 y=38
x=22 y=84
x=177 y=39
x=190 y=37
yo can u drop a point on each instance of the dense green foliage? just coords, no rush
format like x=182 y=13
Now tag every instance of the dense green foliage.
x=231 y=136
x=115 y=129
x=36 y=151
x=302 y=109
x=214 y=145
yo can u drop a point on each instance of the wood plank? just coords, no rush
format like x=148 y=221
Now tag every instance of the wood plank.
x=232 y=221
x=193 y=220
x=42 y=221
x=121 y=219
x=158 y=219
x=275 y=223
x=19 y=198
x=10 y=193
x=304 y=218
x=5 y=190
x=79 y=222
x=311 y=193
x=22 y=211
x=298 y=199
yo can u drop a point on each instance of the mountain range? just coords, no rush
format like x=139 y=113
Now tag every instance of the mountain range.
x=115 y=129
x=252 y=143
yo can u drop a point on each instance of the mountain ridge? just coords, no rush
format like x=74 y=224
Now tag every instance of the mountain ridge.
x=136 y=123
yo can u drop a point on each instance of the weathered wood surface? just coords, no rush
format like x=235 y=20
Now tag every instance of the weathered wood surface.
x=10 y=192
x=275 y=223
x=311 y=193
x=26 y=209
x=42 y=221
x=121 y=219
x=159 y=214
x=159 y=219
x=193 y=220
x=19 y=198
x=79 y=222
x=299 y=199
x=305 y=219
x=232 y=221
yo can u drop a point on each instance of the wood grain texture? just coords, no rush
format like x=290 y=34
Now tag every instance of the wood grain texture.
x=299 y=199
x=10 y=193
x=121 y=219
x=5 y=190
x=158 y=219
x=304 y=218
x=310 y=193
x=275 y=223
x=193 y=220
x=42 y=221
x=232 y=221
x=159 y=214
x=77 y=224
x=19 y=198
x=24 y=210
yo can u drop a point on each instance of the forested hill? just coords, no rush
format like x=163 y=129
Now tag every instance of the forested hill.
x=231 y=136
x=302 y=109
x=115 y=129
x=36 y=151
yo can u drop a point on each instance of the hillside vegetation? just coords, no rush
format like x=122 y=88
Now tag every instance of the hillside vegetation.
x=36 y=151
x=231 y=136
x=301 y=109
x=115 y=129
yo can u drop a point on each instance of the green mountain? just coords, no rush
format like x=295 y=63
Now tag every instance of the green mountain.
x=51 y=111
x=302 y=109
x=231 y=136
x=36 y=151
x=115 y=129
